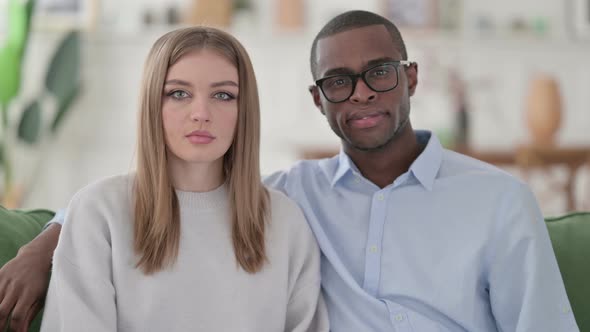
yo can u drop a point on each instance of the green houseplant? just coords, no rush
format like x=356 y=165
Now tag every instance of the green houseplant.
x=30 y=123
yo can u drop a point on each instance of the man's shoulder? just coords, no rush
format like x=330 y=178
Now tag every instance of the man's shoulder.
x=307 y=167
x=474 y=177
x=455 y=164
x=301 y=171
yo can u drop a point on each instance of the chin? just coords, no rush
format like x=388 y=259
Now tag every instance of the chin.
x=201 y=157
x=366 y=148
x=367 y=143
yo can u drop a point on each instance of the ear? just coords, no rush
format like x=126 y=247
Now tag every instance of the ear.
x=315 y=94
x=412 y=75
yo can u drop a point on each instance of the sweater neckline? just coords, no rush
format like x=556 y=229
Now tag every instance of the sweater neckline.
x=216 y=198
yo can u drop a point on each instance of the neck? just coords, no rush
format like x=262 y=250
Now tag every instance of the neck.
x=197 y=177
x=382 y=166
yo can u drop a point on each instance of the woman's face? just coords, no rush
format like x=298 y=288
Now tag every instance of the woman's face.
x=200 y=108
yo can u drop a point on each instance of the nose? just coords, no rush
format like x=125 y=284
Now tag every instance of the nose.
x=362 y=93
x=200 y=111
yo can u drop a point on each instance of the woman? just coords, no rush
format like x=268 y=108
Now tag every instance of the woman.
x=192 y=241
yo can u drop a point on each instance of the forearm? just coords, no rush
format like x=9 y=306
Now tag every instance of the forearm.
x=43 y=245
x=24 y=280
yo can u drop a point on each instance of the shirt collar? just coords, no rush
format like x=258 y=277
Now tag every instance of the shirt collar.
x=425 y=168
x=344 y=166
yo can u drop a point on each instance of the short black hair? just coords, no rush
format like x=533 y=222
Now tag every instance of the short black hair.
x=352 y=20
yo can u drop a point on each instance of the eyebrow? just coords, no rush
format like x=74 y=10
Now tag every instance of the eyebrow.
x=177 y=82
x=213 y=85
x=345 y=70
x=224 y=83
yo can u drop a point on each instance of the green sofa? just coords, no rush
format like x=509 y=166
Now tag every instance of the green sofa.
x=569 y=234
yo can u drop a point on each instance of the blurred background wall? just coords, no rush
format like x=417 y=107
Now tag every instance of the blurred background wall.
x=479 y=63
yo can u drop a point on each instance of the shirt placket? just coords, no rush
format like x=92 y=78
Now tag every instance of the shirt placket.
x=375 y=242
x=397 y=314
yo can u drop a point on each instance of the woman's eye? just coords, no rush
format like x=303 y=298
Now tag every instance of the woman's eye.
x=223 y=96
x=178 y=94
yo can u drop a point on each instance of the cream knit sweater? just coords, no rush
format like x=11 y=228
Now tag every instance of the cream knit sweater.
x=95 y=285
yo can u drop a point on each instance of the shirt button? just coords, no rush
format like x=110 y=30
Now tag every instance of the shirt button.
x=373 y=249
x=380 y=197
x=357 y=180
x=566 y=310
x=399 y=317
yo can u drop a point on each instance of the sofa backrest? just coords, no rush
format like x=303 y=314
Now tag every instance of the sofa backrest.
x=570 y=236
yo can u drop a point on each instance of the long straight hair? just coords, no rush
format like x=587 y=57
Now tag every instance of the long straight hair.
x=156 y=208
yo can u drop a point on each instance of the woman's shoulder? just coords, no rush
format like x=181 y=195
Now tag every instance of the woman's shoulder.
x=282 y=204
x=111 y=186
x=100 y=206
x=286 y=212
x=289 y=225
x=104 y=197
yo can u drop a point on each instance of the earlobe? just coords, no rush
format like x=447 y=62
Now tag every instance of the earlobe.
x=315 y=94
x=412 y=74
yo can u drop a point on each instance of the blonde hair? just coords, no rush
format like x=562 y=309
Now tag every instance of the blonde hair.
x=157 y=215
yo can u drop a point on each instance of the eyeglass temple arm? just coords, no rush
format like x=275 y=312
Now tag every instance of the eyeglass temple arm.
x=406 y=63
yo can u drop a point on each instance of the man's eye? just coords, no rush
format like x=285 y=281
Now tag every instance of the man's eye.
x=381 y=72
x=338 y=82
x=223 y=96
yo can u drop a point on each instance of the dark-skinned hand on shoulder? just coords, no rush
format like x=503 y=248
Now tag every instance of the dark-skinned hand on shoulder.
x=24 y=281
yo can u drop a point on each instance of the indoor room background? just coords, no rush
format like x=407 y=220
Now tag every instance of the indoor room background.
x=501 y=80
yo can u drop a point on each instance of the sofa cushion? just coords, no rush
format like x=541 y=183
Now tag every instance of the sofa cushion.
x=570 y=236
x=16 y=229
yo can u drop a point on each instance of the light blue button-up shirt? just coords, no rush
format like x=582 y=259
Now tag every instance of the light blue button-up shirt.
x=453 y=244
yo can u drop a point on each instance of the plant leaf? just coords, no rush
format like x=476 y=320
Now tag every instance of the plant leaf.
x=29 y=127
x=63 y=74
x=64 y=107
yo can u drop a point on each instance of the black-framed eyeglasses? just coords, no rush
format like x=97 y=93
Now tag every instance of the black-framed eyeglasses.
x=380 y=78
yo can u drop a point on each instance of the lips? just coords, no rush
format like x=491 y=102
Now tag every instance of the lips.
x=366 y=119
x=200 y=137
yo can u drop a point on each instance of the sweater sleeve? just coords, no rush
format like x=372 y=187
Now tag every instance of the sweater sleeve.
x=306 y=311
x=81 y=295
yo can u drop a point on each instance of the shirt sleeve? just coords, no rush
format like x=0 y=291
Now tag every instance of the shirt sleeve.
x=277 y=181
x=306 y=310
x=58 y=218
x=81 y=295
x=525 y=286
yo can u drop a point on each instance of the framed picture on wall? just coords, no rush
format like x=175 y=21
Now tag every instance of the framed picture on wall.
x=414 y=14
x=580 y=18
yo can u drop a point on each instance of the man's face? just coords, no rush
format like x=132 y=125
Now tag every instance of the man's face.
x=368 y=120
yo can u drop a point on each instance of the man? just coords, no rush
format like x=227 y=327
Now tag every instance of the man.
x=414 y=237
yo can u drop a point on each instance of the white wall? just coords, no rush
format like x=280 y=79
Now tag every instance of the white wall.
x=98 y=138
